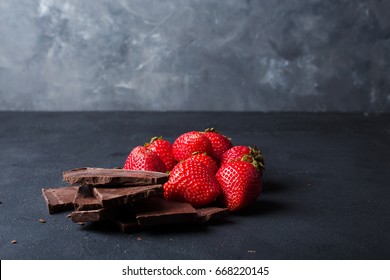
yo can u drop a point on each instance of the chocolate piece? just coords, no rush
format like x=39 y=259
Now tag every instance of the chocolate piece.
x=158 y=211
x=127 y=225
x=154 y=212
x=85 y=200
x=109 y=197
x=113 y=177
x=209 y=214
x=59 y=199
x=91 y=215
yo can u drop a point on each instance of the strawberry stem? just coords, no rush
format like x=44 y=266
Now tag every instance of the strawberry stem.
x=249 y=158
x=155 y=138
x=152 y=140
x=211 y=129
x=258 y=156
x=255 y=158
x=199 y=153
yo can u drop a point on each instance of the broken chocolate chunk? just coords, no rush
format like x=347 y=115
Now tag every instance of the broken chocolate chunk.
x=60 y=199
x=85 y=199
x=154 y=212
x=128 y=225
x=158 y=211
x=131 y=199
x=110 y=197
x=90 y=215
x=113 y=177
x=209 y=214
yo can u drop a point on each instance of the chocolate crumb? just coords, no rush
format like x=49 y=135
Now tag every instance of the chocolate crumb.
x=81 y=223
x=42 y=221
x=139 y=238
x=69 y=216
x=14 y=241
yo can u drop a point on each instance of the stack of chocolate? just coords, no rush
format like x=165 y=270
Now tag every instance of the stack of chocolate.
x=131 y=199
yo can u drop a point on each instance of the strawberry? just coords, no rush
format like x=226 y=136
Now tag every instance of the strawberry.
x=141 y=158
x=237 y=153
x=206 y=160
x=164 y=150
x=192 y=182
x=190 y=142
x=219 y=142
x=240 y=183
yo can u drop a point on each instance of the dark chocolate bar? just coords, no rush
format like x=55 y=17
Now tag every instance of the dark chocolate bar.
x=85 y=199
x=158 y=211
x=210 y=214
x=154 y=212
x=113 y=177
x=91 y=215
x=110 y=197
x=60 y=199
x=126 y=224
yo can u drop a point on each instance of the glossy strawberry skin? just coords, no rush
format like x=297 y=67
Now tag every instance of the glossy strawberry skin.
x=192 y=182
x=240 y=183
x=141 y=158
x=234 y=153
x=220 y=144
x=189 y=143
x=208 y=161
x=163 y=149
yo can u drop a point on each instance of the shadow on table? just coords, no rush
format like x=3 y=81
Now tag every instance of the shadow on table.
x=106 y=227
x=268 y=202
x=188 y=228
x=272 y=186
x=260 y=208
x=264 y=207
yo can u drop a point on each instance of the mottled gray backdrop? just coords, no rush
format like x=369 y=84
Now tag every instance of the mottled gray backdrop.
x=265 y=55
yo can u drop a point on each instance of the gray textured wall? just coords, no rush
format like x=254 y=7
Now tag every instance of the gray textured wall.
x=270 y=55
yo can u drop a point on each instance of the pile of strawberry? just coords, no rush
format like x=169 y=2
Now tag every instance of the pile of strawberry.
x=203 y=167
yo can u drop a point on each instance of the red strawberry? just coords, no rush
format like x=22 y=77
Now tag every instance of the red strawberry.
x=164 y=150
x=190 y=142
x=192 y=182
x=237 y=153
x=219 y=142
x=206 y=160
x=141 y=158
x=240 y=183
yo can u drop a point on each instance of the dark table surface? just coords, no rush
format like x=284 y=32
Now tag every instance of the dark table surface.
x=326 y=186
